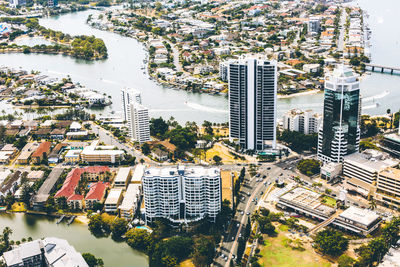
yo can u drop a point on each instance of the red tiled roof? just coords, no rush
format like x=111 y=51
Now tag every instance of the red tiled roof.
x=97 y=191
x=43 y=147
x=73 y=177
x=96 y=169
x=75 y=197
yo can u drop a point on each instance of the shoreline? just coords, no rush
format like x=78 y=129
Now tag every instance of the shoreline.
x=309 y=92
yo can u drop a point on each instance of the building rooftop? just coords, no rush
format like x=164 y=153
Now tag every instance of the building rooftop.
x=138 y=173
x=26 y=250
x=308 y=199
x=122 y=175
x=131 y=196
x=43 y=147
x=187 y=171
x=97 y=191
x=59 y=252
x=35 y=175
x=371 y=160
x=362 y=216
x=113 y=196
x=391 y=173
x=101 y=150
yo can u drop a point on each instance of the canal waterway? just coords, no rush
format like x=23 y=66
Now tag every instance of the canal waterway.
x=123 y=68
x=112 y=253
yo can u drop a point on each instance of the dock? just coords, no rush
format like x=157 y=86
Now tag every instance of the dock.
x=60 y=219
x=71 y=220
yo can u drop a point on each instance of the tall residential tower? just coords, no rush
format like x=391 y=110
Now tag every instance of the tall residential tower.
x=252 y=103
x=339 y=134
x=136 y=115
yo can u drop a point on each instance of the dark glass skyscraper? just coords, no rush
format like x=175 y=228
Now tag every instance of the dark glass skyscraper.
x=340 y=131
x=252 y=103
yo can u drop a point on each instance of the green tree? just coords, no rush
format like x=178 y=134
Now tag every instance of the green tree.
x=345 y=261
x=331 y=242
x=217 y=159
x=92 y=261
x=309 y=166
x=146 y=149
x=203 y=251
x=96 y=224
x=119 y=227
x=139 y=239
x=158 y=127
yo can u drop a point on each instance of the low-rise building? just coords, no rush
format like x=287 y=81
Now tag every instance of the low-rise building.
x=361 y=169
x=96 y=194
x=48 y=252
x=130 y=203
x=102 y=154
x=113 y=200
x=35 y=175
x=73 y=156
x=309 y=203
x=306 y=122
x=42 y=151
x=388 y=187
x=138 y=174
x=123 y=177
x=331 y=170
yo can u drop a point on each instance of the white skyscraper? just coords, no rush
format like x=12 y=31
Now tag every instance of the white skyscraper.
x=136 y=115
x=252 y=103
x=129 y=96
x=182 y=194
x=140 y=129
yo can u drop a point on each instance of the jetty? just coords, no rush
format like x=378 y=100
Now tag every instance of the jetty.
x=60 y=219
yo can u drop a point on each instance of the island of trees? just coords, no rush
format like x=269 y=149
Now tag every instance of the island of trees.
x=83 y=47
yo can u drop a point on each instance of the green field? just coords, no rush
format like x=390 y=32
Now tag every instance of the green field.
x=276 y=252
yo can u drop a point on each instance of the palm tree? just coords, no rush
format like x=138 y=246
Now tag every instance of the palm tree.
x=389 y=112
x=372 y=203
x=6 y=236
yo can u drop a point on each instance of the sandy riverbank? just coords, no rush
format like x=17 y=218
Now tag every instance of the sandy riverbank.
x=311 y=92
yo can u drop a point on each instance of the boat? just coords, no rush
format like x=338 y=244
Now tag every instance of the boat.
x=60 y=219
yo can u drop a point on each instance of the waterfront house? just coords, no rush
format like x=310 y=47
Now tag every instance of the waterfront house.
x=96 y=194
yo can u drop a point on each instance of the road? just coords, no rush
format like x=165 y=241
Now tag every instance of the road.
x=107 y=137
x=251 y=189
x=342 y=27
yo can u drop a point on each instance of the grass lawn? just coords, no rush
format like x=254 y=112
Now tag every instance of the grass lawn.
x=330 y=201
x=18 y=207
x=277 y=252
x=186 y=263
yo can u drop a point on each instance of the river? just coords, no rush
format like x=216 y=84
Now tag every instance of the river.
x=112 y=253
x=126 y=55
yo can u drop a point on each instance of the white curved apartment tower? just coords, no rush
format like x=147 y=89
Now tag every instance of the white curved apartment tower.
x=182 y=194
x=136 y=115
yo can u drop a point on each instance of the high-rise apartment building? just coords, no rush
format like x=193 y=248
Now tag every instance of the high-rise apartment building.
x=136 y=115
x=140 y=126
x=306 y=122
x=129 y=96
x=340 y=131
x=182 y=194
x=313 y=25
x=252 y=103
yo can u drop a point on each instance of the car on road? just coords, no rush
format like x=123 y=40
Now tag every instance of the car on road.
x=248 y=193
x=248 y=213
x=268 y=168
x=264 y=176
x=238 y=224
x=242 y=212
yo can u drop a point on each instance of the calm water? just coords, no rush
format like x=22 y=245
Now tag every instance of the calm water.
x=112 y=253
